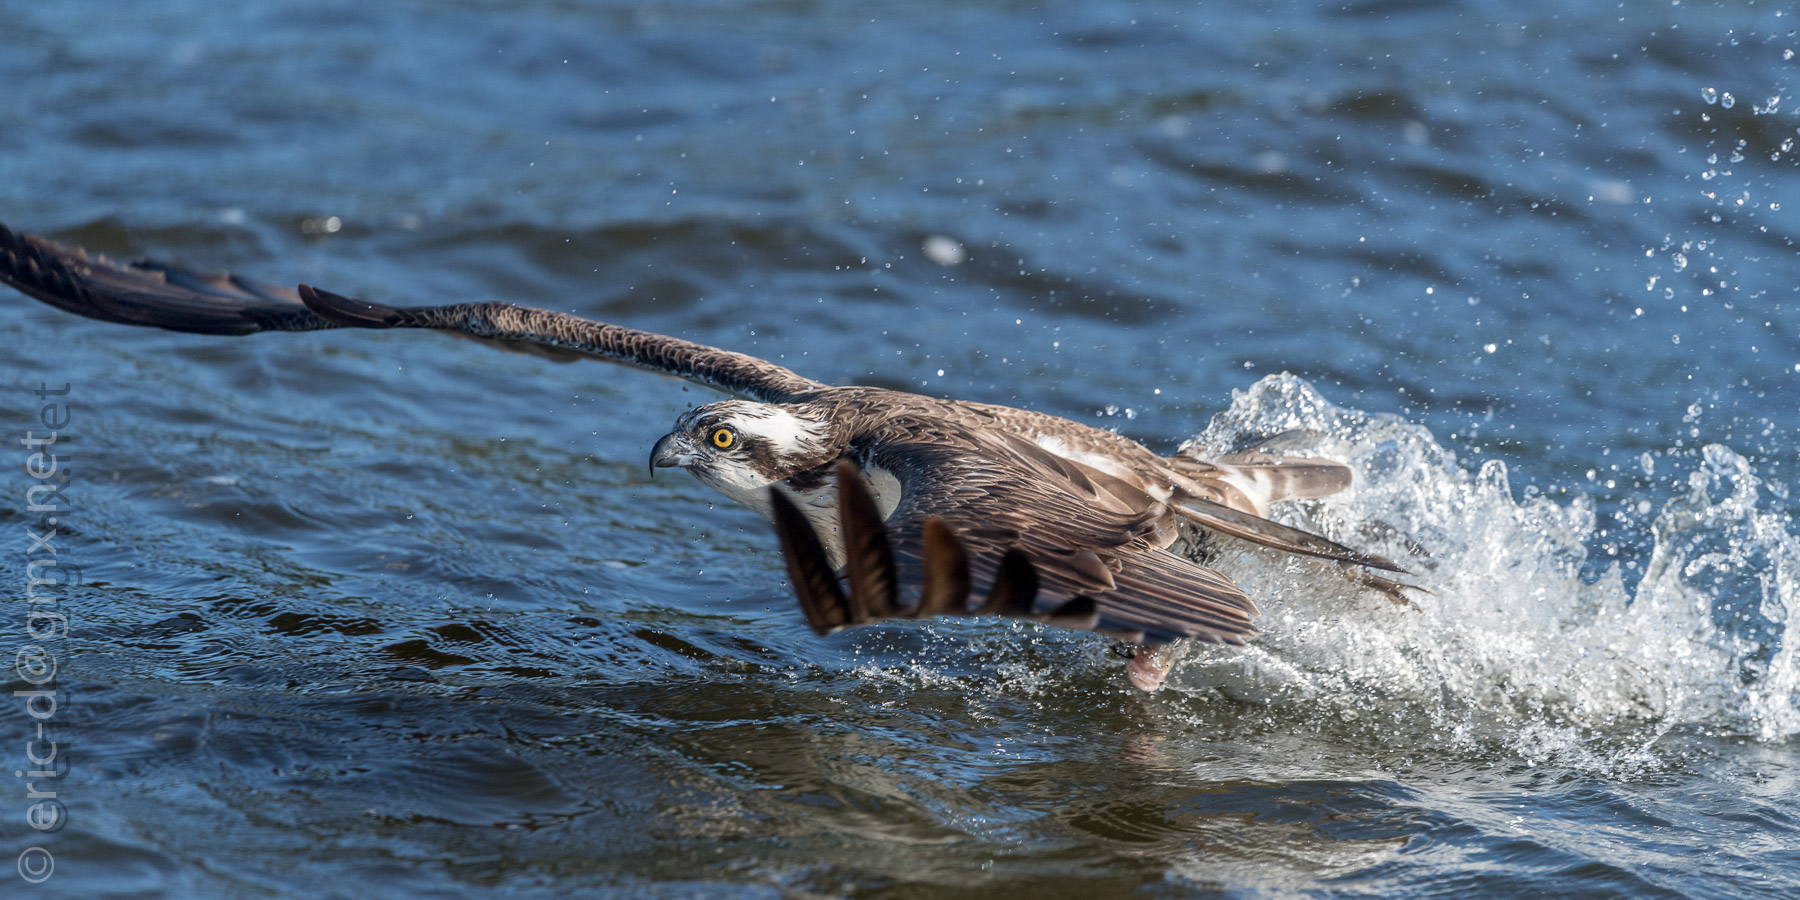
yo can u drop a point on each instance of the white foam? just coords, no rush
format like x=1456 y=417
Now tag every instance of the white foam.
x=1517 y=644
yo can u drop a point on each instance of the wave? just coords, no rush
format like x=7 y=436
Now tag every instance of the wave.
x=1532 y=633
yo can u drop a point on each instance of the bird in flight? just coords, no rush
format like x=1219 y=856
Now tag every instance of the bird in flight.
x=887 y=504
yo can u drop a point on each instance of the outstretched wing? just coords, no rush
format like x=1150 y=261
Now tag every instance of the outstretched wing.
x=1014 y=508
x=163 y=296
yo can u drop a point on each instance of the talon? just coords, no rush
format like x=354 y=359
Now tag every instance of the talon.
x=1150 y=668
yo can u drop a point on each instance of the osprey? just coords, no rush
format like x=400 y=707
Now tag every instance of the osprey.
x=887 y=504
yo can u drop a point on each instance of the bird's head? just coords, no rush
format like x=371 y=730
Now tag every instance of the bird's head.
x=739 y=447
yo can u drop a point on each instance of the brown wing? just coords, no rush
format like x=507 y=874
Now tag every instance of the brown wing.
x=872 y=581
x=1229 y=495
x=146 y=293
x=1083 y=533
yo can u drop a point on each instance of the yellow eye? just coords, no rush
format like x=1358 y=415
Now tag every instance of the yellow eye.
x=723 y=438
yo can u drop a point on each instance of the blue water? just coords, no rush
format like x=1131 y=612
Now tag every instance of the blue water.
x=372 y=614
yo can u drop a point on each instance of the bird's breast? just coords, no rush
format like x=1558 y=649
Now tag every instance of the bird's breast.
x=817 y=499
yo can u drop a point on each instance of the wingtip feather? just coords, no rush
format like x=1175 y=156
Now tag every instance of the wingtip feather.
x=1015 y=586
x=822 y=601
x=945 y=581
x=868 y=555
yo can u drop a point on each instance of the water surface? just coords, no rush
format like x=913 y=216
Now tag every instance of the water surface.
x=394 y=615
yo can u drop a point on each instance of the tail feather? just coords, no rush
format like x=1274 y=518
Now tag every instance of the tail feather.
x=1250 y=481
x=1258 y=530
x=1231 y=495
x=1289 y=477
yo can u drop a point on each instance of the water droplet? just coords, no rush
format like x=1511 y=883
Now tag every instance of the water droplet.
x=1726 y=101
x=944 y=251
x=1710 y=95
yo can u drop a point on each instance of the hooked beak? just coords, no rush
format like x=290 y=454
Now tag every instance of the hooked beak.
x=671 y=451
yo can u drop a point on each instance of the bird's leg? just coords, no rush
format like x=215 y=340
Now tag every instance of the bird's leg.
x=1387 y=587
x=1150 y=667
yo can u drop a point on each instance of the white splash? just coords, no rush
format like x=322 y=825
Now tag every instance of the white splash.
x=1514 y=643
